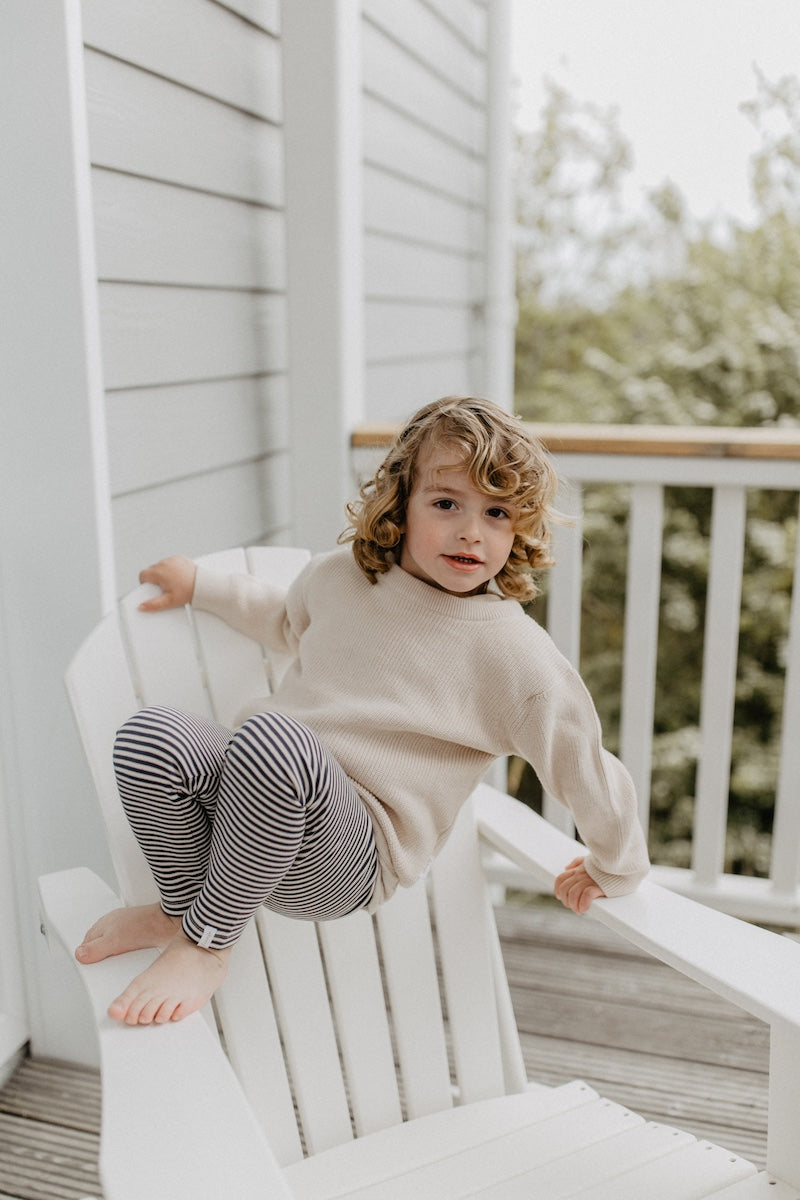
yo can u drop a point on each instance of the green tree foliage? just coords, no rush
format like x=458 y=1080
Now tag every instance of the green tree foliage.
x=654 y=320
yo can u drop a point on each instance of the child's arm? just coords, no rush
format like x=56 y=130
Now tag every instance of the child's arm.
x=250 y=605
x=558 y=733
x=175 y=576
x=575 y=887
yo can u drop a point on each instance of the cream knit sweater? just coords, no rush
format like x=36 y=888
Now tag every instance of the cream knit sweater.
x=416 y=691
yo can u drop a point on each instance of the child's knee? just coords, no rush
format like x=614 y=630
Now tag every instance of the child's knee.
x=271 y=730
x=143 y=727
x=268 y=754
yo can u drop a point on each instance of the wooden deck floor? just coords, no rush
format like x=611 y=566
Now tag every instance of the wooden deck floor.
x=588 y=1006
x=49 y=1133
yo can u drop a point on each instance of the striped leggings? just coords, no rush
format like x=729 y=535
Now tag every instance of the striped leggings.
x=231 y=821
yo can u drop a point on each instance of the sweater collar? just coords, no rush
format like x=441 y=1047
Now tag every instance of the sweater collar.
x=406 y=589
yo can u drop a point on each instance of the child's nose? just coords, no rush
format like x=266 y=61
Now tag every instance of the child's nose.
x=470 y=529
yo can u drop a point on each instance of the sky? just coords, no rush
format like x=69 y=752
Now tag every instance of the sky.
x=676 y=70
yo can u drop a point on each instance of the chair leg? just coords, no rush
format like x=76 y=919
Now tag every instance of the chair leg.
x=783 y=1144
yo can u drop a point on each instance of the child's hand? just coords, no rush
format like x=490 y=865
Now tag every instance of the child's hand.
x=575 y=887
x=175 y=577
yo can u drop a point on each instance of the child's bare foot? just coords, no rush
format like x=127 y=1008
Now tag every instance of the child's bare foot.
x=182 y=979
x=145 y=927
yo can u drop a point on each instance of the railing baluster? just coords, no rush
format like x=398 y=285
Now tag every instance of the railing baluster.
x=786 y=826
x=642 y=597
x=720 y=655
x=564 y=606
x=564 y=582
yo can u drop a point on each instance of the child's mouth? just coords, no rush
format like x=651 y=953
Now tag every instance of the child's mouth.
x=465 y=560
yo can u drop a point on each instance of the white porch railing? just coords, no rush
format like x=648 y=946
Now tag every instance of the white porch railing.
x=730 y=462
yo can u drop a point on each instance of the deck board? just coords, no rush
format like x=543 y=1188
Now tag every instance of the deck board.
x=588 y=1005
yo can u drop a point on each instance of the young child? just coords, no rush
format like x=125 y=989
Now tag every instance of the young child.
x=414 y=668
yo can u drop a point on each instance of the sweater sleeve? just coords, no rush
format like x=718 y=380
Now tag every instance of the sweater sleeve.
x=560 y=737
x=268 y=614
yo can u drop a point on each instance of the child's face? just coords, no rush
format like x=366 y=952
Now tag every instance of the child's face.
x=456 y=538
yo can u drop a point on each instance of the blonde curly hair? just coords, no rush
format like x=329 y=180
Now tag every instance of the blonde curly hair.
x=503 y=460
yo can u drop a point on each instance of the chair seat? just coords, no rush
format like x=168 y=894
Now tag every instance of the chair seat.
x=545 y=1143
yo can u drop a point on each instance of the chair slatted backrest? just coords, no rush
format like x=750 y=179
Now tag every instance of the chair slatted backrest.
x=103 y=695
x=337 y=1029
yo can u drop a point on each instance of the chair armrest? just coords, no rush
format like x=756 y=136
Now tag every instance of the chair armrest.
x=175 y=1122
x=751 y=967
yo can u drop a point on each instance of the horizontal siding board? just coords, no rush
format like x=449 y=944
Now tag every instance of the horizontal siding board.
x=399 y=331
x=200 y=45
x=399 y=79
x=400 y=145
x=157 y=335
x=467 y=17
x=237 y=506
x=266 y=14
x=422 y=31
x=402 y=270
x=396 y=391
x=144 y=125
x=151 y=232
x=159 y=434
x=409 y=210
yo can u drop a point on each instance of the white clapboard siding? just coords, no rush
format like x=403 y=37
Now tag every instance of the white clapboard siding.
x=155 y=335
x=150 y=232
x=400 y=145
x=205 y=47
x=407 y=210
x=443 y=43
x=158 y=434
x=185 y=516
x=394 y=388
x=424 y=147
x=397 y=77
x=184 y=110
x=397 y=269
x=468 y=18
x=266 y=14
x=397 y=330
x=145 y=125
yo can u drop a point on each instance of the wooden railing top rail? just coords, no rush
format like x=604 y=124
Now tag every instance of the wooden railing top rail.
x=673 y=441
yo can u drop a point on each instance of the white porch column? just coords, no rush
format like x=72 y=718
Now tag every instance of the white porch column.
x=55 y=543
x=322 y=94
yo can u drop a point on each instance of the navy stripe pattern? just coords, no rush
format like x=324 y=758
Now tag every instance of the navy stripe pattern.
x=231 y=821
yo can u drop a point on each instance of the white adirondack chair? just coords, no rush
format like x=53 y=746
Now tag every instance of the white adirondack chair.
x=339 y=1075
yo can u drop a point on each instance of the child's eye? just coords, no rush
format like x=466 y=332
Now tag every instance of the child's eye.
x=497 y=512
x=445 y=505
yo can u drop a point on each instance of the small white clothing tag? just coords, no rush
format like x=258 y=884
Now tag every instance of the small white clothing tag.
x=209 y=933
